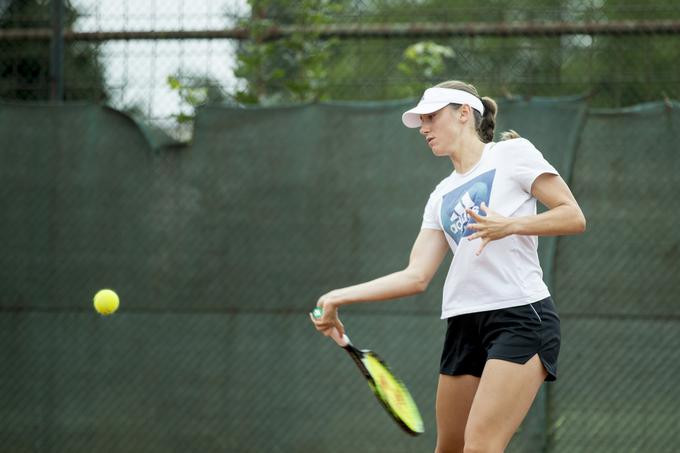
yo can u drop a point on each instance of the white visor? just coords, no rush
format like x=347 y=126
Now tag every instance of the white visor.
x=437 y=98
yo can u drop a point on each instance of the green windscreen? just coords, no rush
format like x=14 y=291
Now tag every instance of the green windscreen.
x=219 y=249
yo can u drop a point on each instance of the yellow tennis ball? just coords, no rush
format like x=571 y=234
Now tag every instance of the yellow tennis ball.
x=106 y=302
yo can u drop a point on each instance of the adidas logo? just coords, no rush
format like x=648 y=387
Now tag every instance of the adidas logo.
x=459 y=218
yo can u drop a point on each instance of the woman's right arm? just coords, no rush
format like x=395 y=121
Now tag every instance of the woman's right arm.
x=427 y=253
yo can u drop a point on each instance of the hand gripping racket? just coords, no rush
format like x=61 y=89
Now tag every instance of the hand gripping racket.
x=390 y=391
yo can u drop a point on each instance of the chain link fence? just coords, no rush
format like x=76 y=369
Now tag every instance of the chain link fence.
x=163 y=59
x=219 y=248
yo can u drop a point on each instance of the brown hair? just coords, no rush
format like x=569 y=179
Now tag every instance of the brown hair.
x=484 y=125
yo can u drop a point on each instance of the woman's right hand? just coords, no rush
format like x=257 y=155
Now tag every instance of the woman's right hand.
x=329 y=316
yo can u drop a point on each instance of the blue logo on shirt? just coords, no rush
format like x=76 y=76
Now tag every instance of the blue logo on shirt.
x=468 y=196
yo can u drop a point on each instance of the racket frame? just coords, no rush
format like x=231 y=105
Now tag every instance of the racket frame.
x=357 y=356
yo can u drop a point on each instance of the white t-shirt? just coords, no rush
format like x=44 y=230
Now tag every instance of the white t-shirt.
x=507 y=273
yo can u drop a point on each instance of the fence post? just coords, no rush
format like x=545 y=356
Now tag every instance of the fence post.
x=57 y=52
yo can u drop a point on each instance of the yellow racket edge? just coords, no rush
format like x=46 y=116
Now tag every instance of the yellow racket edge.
x=394 y=394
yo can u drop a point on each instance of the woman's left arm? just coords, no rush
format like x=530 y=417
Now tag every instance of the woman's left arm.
x=564 y=216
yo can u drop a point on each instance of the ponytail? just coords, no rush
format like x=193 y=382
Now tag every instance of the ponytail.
x=488 y=121
x=509 y=135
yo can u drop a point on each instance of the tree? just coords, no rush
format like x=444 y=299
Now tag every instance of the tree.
x=306 y=68
x=195 y=91
x=25 y=65
x=619 y=70
x=291 y=69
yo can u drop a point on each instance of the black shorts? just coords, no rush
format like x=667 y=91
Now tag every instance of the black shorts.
x=514 y=334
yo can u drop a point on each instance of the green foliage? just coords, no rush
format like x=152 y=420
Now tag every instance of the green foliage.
x=194 y=92
x=25 y=65
x=423 y=60
x=291 y=69
x=620 y=70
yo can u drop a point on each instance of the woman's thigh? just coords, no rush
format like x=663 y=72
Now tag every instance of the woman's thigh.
x=454 y=399
x=505 y=393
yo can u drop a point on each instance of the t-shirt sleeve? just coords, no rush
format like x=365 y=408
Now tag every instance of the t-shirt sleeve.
x=430 y=217
x=528 y=164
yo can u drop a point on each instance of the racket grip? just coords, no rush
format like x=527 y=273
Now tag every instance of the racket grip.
x=342 y=341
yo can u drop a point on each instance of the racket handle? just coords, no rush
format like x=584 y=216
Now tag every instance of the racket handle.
x=342 y=341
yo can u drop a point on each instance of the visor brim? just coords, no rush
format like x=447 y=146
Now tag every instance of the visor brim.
x=411 y=118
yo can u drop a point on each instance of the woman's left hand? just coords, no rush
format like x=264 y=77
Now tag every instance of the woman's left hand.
x=490 y=227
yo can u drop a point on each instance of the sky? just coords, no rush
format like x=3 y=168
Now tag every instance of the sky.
x=137 y=71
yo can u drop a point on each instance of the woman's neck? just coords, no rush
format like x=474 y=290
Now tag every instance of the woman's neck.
x=467 y=155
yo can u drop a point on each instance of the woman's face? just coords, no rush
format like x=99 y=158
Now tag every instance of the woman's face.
x=441 y=130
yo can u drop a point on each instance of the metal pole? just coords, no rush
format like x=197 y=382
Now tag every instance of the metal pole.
x=378 y=31
x=57 y=52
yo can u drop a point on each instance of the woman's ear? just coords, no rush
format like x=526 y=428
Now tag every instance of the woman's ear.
x=464 y=113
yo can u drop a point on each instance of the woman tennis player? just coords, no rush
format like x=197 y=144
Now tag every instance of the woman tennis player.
x=503 y=334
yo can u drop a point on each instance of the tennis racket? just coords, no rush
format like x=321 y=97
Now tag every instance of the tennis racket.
x=390 y=391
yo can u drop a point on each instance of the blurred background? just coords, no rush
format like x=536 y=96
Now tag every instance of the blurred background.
x=221 y=164
x=162 y=59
